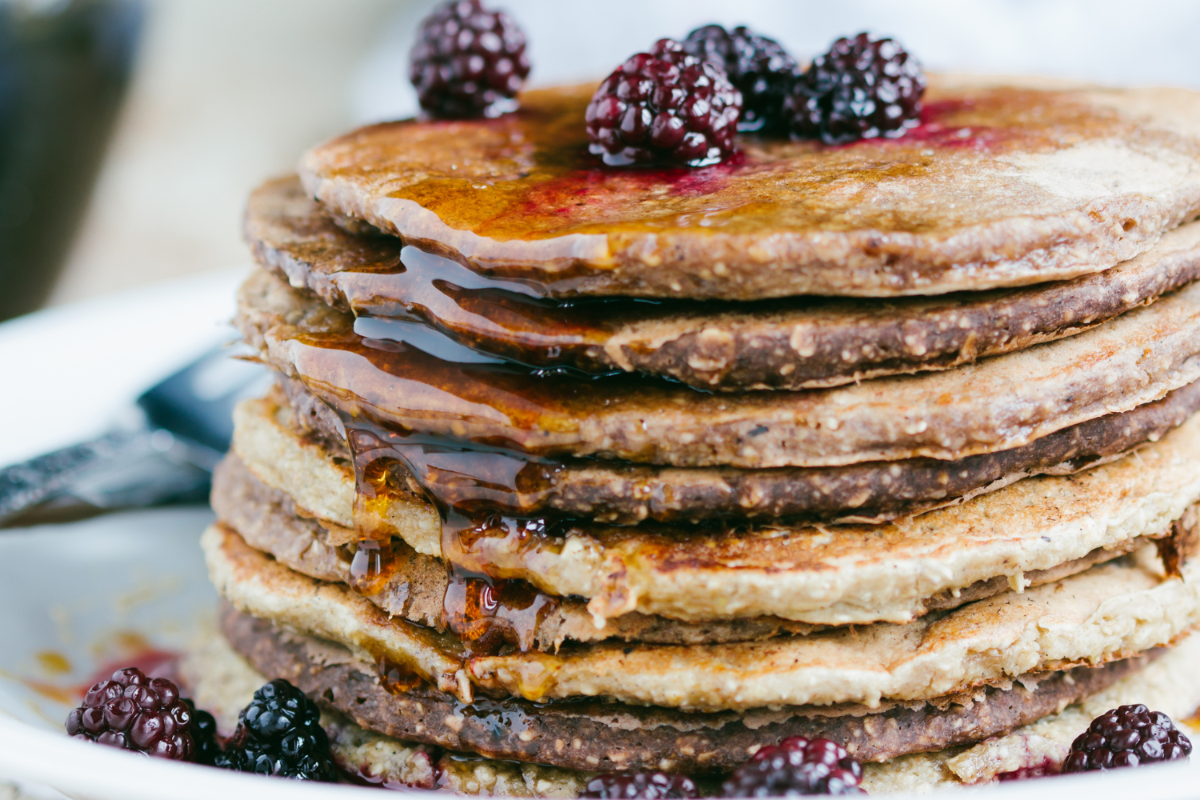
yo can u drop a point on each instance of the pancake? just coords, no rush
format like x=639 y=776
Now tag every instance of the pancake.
x=1110 y=612
x=793 y=344
x=836 y=575
x=1168 y=685
x=222 y=681
x=872 y=492
x=611 y=736
x=1001 y=186
x=993 y=405
x=414 y=586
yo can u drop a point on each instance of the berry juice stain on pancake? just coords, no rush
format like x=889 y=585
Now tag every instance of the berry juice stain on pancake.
x=986 y=193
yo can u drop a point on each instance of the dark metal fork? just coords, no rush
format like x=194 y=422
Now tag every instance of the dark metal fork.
x=164 y=453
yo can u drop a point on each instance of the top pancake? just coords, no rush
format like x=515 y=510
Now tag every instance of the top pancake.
x=1002 y=185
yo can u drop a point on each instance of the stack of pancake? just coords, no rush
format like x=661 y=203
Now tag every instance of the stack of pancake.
x=571 y=469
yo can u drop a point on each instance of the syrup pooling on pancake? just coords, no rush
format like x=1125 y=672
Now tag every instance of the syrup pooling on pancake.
x=519 y=197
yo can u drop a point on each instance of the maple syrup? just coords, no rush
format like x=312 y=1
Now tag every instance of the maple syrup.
x=373 y=566
x=396 y=678
x=486 y=610
x=487 y=613
x=507 y=319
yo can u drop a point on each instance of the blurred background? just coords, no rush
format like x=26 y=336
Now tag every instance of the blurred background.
x=131 y=132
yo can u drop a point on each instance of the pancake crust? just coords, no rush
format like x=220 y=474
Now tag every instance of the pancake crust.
x=610 y=736
x=222 y=682
x=874 y=492
x=836 y=575
x=1110 y=612
x=993 y=405
x=269 y=521
x=796 y=344
x=1003 y=186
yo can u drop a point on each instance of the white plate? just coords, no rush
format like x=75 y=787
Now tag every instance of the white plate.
x=69 y=589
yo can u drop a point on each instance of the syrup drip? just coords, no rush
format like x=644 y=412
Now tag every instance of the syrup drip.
x=453 y=392
x=482 y=604
x=504 y=318
x=373 y=566
x=371 y=491
x=396 y=678
x=486 y=613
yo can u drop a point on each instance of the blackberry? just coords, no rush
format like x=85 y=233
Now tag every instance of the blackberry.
x=468 y=61
x=757 y=66
x=204 y=735
x=645 y=785
x=863 y=88
x=1128 y=736
x=664 y=106
x=280 y=734
x=796 y=766
x=136 y=713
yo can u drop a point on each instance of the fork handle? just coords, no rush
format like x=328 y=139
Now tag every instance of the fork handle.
x=45 y=477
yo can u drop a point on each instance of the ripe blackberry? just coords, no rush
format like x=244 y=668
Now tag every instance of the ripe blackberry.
x=664 y=106
x=468 y=61
x=1128 y=736
x=280 y=734
x=863 y=88
x=644 y=785
x=759 y=67
x=136 y=713
x=204 y=735
x=796 y=766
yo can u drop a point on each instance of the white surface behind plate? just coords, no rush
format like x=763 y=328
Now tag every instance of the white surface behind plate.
x=68 y=372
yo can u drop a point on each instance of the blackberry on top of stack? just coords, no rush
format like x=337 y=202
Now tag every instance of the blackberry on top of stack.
x=618 y=452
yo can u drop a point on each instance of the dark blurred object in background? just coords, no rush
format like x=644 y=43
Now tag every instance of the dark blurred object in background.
x=63 y=71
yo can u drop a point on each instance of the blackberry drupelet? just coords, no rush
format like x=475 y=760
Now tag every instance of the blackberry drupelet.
x=468 y=61
x=1128 y=736
x=863 y=88
x=796 y=766
x=757 y=66
x=136 y=713
x=644 y=785
x=280 y=734
x=665 y=106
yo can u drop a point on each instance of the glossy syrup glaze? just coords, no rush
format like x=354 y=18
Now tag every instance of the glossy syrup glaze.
x=482 y=606
x=519 y=197
x=452 y=392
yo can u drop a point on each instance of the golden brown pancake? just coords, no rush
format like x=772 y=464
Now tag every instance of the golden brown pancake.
x=1002 y=186
x=809 y=573
x=798 y=343
x=1110 y=612
x=993 y=405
